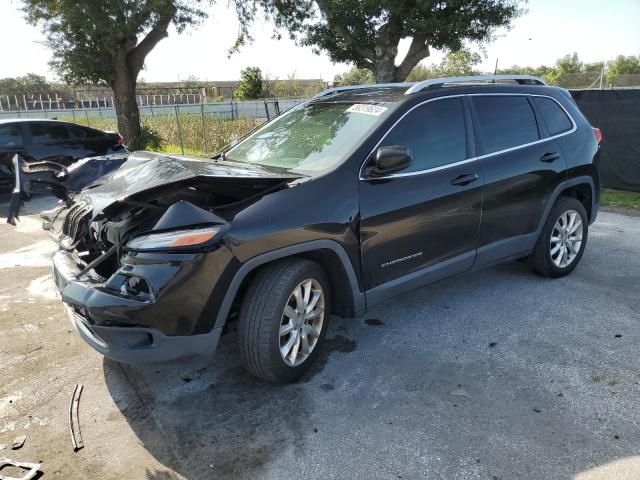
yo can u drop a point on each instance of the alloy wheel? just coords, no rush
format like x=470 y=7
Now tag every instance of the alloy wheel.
x=566 y=239
x=301 y=322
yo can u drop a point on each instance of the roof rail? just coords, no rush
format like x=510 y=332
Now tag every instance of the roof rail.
x=330 y=91
x=439 y=82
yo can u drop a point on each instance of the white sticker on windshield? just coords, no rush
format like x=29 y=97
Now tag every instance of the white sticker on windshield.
x=367 y=108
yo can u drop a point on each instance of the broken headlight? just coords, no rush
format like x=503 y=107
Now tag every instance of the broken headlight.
x=176 y=238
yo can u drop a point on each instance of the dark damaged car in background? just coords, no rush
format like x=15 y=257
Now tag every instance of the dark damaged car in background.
x=64 y=146
x=334 y=206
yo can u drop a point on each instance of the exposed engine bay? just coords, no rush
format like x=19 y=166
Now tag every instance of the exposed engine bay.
x=142 y=198
x=190 y=203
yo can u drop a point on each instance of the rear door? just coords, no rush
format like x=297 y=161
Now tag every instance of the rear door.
x=522 y=164
x=422 y=223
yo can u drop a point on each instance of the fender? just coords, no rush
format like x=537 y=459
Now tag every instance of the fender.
x=257 y=261
x=572 y=182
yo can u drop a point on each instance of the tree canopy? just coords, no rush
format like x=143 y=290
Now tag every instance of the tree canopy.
x=453 y=64
x=90 y=37
x=250 y=84
x=107 y=42
x=367 y=32
x=29 y=84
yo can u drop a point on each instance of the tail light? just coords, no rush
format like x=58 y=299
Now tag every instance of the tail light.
x=598 y=134
x=120 y=140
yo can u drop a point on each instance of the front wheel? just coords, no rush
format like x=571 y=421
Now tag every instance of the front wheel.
x=283 y=319
x=563 y=239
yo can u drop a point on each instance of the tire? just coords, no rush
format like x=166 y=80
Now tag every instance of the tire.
x=262 y=315
x=546 y=259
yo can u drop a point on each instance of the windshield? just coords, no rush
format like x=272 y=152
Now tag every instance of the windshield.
x=310 y=138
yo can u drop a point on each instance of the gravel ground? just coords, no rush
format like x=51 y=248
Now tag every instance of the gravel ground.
x=499 y=374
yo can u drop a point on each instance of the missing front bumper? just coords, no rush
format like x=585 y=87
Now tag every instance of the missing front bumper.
x=142 y=344
x=127 y=344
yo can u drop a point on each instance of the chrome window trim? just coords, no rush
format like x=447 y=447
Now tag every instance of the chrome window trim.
x=472 y=159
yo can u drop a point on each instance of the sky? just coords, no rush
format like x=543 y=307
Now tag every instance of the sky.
x=594 y=29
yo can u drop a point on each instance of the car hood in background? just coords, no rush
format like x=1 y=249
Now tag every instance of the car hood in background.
x=145 y=171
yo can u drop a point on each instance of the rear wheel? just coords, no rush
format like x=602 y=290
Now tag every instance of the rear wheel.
x=283 y=319
x=563 y=239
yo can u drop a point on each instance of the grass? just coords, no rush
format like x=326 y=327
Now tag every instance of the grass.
x=620 y=198
x=171 y=148
x=197 y=139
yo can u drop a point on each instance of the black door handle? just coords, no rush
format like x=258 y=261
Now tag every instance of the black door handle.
x=549 y=157
x=463 y=180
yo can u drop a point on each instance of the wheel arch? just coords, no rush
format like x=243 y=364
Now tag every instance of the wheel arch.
x=329 y=254
x=582 y=188
x=584 y=194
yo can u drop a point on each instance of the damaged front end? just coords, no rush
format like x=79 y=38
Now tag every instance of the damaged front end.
x=134 y=253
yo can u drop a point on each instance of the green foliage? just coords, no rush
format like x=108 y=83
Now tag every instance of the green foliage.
x=105 y=42
x=250 y=84
x=355 y=76
x=567 y=71
x=623 y=71
x=150 y=139
x=367 y=32
x=32 y=84
x=459 y=63
x=90 y=37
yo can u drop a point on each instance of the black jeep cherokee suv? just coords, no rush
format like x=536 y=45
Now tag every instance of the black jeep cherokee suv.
x=339 y=204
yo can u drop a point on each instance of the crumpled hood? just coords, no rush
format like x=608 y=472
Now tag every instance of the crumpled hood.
x=147 y=170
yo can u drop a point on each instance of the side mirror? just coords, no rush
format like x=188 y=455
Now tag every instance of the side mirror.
x=389 y=160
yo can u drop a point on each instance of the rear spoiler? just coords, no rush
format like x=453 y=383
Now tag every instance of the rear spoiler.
x=36 y=177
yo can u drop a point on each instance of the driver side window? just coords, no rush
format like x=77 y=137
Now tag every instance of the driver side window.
x=434 y=132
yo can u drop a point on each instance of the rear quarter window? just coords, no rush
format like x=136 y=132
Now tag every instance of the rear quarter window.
x=553 y=115
x=505 y=122
x=77 y=132
x=10 y=136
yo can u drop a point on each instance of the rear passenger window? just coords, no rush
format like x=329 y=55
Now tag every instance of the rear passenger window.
x=41 y=133
x=553 y=115
x=10 y=136
x=505 y=122
x=435 y=132
x=77 y=132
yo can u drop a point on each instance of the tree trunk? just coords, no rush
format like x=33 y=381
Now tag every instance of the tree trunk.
x=124 y=96
x=385 y=71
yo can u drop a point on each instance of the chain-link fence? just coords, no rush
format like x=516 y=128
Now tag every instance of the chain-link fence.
x=593 y=80
x=199 y=129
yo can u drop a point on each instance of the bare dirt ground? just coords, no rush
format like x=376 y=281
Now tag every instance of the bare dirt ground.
x=499 y=374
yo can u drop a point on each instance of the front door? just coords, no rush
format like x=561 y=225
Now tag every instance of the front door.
x=422 y=223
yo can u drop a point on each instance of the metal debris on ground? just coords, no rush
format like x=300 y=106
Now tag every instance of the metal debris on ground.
x=74 y=421
x=32 y=469
x=18 y=442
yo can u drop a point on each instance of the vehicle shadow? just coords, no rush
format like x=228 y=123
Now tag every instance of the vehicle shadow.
x=214 y=420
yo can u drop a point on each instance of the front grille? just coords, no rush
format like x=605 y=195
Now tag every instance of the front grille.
x=76 y=220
